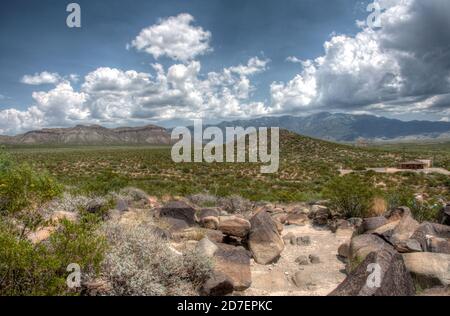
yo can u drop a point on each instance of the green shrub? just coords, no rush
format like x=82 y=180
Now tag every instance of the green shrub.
x=428 y=210
x=349 y=196
x=27 y=269
x=21 y=187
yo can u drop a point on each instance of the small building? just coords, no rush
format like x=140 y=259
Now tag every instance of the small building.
x=413 y=165
x=428 y=162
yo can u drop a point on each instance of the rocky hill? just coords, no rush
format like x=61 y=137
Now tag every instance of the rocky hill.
x=91 y=135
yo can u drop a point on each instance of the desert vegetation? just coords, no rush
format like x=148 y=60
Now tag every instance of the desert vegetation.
x=103 y=208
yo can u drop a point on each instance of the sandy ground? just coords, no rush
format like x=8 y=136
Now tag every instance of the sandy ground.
x=315 y=279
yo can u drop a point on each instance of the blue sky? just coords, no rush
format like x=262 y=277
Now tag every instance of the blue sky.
x=36 y=41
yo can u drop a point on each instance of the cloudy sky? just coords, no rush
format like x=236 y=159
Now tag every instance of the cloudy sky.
x=166 y=62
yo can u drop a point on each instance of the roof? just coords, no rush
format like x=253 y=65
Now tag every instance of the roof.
x=413 y=162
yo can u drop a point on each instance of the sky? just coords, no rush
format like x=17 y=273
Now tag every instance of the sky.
x=167 y=62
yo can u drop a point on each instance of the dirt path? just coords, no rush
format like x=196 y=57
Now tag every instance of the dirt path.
x=313 y=279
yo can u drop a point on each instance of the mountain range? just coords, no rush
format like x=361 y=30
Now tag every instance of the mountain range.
x=349 y=128
x=328 y=126
x=92 y=135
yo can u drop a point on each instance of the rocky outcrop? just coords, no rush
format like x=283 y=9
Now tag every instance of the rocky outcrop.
x=234 y=262
x=428 y=269
x=433 y=237
x=382 y=273
x=264 y=240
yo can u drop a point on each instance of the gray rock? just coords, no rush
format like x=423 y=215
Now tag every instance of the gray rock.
x=217 y=285
x=264 y=240
x=206 y=247
x=303 y=241
x=302 y=260
x=433 y=237
x=429 y=269
x=314 y=259
x=395 y=279
x=234 y=262
x=234 y=226
x=373 y=223
x=179 y=210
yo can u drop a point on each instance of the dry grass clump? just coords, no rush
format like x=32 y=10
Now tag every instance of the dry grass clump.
x=235 y=204
x=141 y=263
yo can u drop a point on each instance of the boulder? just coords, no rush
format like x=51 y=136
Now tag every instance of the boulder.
x=386 y=230
x=297 y=219
x=175 y=224
x=178 y=210
x=234 y=226
x=214 y=235
x=361 y=246
x=210 y=222
x=403 y=232
x=439 y=245
x=206 y=248
x=280 y=217
x=433 y=237
x=217 y=285
x=344 y=250
x=234 y=262
x=372 y=223
x=207 y=212
x=340 y=224
x=320 y=215
x=428 y=269
x=264 y=241
x=394 y=278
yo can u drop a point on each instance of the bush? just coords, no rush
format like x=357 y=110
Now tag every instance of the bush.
x=140 y=263
x=27 y=269
x=428 y=210
x=349 y=196
x=21 y=186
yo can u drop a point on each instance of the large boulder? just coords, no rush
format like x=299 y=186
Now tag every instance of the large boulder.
x=206 y=248
x=403 y=232
x=388 y=265
x=433 y=237
x=217 y=285
x=264 y=240
x=428 y=269
x=234 y=262
x=297 y=219
x=178 y=210
x=372 y=223
x=234 y=226
x=361 y=246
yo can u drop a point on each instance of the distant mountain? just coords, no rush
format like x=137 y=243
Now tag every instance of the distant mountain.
x=92 y=135
x=348 y=128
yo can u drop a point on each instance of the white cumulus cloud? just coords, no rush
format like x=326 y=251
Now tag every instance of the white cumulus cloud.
x=174 y=37
x=44 y=77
